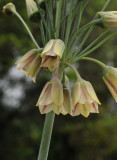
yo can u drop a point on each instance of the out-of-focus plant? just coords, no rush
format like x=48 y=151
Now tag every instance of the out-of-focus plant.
x=63 y=41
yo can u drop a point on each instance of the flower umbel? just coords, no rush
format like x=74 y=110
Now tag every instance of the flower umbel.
x=51 y=98
x=109 y=19
x=52 y=53
x=85 y=100
x=110 y=79
x=30 y=63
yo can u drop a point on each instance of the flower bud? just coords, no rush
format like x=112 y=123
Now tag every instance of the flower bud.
x=32 y=11
x=109 y=19
x=84 y=99
x=9 y=9
x=52 y=53
x=51 y=98
x=110 y=79
x=30 y=64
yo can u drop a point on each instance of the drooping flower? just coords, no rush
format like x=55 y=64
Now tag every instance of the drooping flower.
x=9 y=9
x=110 y=79
x=32 y=10
x=84 y=99
x=51 y=98
x=109 y=19
x=52 y=53
x=30 y=63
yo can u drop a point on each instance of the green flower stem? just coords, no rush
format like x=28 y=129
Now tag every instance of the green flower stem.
x=42 y=33
x=46 y=136
x=75 y=71
x=96 y=61
x=95 y=41
x=43 y=19
x=69 y=23
x=25 y=25
x=75 y=59
x=58 y=17
x=75 y=39
x=106 y=4
x=91 y=28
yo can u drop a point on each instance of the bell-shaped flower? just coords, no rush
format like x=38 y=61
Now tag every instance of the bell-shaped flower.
x=32 y=11
x=51 y=98
x=52 y=53
x=109 y=19
x=9 y=9
x=110 y=79
x=30 y=63
x=84 y=99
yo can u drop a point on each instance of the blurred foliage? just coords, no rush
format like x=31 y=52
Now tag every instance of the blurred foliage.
x=74 y=138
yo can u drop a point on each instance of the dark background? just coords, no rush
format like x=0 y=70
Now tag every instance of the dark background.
x=21 y=124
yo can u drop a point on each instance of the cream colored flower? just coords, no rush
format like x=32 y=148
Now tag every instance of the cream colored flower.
x=84 y=99
x=51 y=98
x=30 y=64
x=110 y=79
x=9 y=9
x=109 y=19
x=52 y=53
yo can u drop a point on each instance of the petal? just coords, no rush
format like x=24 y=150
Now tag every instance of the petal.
x=76 y=110
x=45 y=109
x=57 y=92
x=85 y=109
x=28 y=55
x=76 y=93
x=45 y=97
x=59 y=47
x=94 y=108
x=47 y=48
x=91 y=92
x=84 y=95
x=67 y=100
x=112 y=87
x=57 y=108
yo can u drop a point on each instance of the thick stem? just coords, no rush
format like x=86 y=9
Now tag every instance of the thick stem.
x=46 y=137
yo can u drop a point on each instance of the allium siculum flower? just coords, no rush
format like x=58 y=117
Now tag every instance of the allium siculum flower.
x=51 y=98
x=109 y=19
x=110 y=79
x=30 y=63
x=9 y=9
x=52 y=54
x=84 y=99
x=32 y=11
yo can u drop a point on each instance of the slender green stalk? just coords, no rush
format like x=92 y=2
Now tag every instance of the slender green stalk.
x=75 y=39
x=94 y=48
x=95 y=41
x=58 y=17
x=25 y=25
x=43 y=19
x=42 y=33
x=46 y=136
x=106 y=4
x=96 y=61
x=69 y=22
x=75 y=71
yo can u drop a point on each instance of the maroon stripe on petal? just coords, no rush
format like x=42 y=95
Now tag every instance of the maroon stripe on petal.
x=94 y=107
x=111 y=84
x=44 y=108
x=75 y=109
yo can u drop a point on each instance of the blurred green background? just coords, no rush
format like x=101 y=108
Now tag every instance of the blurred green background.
x=21 y=124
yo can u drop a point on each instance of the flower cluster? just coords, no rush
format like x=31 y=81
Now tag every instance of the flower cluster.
x=56 y=56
